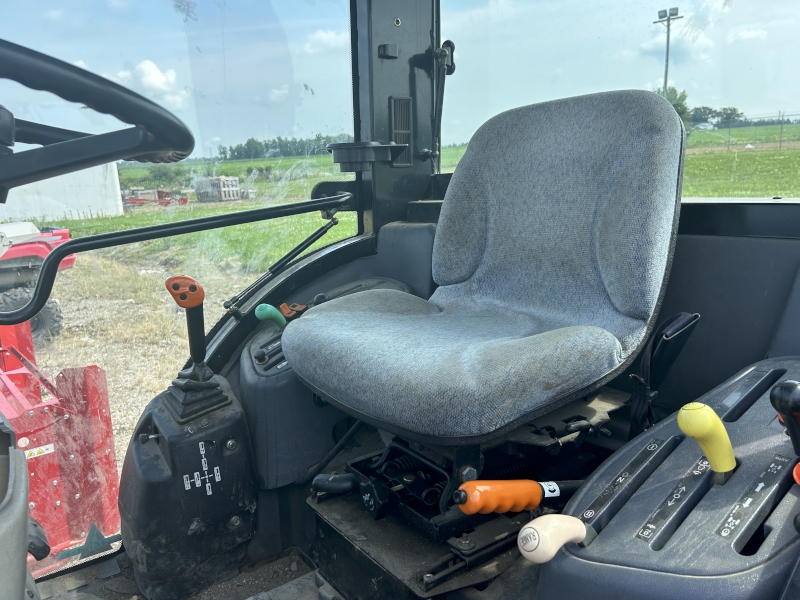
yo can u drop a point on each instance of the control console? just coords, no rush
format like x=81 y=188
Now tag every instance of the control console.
x=702 y=505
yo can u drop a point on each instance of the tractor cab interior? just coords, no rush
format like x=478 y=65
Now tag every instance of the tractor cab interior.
x=500 y=386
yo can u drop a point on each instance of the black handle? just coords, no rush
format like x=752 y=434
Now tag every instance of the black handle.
x=785 y=398
x=197 y=333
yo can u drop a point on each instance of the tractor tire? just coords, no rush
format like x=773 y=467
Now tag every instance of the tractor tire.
x=45 y=325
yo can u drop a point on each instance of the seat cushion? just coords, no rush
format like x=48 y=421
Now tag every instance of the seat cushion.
x=446 y=371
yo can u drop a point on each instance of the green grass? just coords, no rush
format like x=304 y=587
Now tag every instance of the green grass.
x=248 y=248
x=762 y=134
x=755 y=174
x=743 y=174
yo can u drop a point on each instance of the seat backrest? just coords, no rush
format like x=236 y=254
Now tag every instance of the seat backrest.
x=567 y=211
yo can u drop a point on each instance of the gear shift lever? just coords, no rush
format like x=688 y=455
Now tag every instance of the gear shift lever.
x=189 y=295
x=785 y=398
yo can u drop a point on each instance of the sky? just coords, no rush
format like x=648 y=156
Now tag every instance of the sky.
x=233 y=69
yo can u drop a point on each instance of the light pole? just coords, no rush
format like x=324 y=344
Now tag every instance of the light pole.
x=666 y=18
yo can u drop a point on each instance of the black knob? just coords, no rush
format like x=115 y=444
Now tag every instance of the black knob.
x=460 y=497
x=785 y=398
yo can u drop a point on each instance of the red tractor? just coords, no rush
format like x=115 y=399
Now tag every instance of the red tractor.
x=23 y=248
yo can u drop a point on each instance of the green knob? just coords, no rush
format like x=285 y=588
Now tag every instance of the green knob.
x=267 y=312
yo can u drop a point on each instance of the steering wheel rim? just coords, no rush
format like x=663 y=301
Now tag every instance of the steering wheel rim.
x=168 y=139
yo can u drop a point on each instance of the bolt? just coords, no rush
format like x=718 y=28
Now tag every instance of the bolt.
x=230 y=444
x=31 y=506
x=464 y=539
x=428 y=577
x=46 y=409
x=58 y=503
x=77 y=496
x=469 y=474
x=235 y=521
x=397 y=22
x=66 y=417
x=72 y=457
x=30 y=413
x=55 y=482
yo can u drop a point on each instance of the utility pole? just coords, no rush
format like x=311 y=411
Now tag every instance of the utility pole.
x=780 y=144
x=666 y=18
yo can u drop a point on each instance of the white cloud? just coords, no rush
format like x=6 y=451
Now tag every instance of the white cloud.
x=154 y=79
x=161 y=86
x=54 y=15
x=326 y=39
x=81 y=64
x=744 y=35
x=279 y=94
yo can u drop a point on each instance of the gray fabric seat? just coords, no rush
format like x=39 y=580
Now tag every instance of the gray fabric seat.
x=551 y=255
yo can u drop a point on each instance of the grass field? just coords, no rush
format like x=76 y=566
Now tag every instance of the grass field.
x=738 y=174
x=762 y=134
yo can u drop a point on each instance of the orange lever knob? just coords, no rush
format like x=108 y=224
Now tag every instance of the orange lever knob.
x=513 y=495
x=186 y=292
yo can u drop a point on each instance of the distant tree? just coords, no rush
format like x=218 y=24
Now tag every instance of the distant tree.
x=280 y=146
x=160 y=172
x=703 y=114
x=254 y=149
x=678 y=101
x=729 y=116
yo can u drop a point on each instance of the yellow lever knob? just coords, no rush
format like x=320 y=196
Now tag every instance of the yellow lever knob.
x=699 y=421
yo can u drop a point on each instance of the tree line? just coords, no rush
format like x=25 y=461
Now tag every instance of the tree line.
x=280 y=146
x=729 y=116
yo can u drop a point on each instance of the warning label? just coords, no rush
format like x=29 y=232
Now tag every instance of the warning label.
x=40 y=451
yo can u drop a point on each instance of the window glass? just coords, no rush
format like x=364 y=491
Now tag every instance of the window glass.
x=731 y=77
x=263 y=86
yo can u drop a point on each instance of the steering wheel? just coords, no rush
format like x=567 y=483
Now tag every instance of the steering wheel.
x=158 y=135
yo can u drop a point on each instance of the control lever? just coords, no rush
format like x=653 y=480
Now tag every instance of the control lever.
x=189 y=295
x=510 y=495
x=267 y=312
x=540 y=539
x=785 y=398
x=700 y=422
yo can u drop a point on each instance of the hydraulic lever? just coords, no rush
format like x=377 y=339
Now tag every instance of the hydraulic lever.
x=511 y=495
x=189 y=295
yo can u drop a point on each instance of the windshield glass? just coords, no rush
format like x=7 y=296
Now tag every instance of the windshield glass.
x=731 y=77
x=263 y=87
